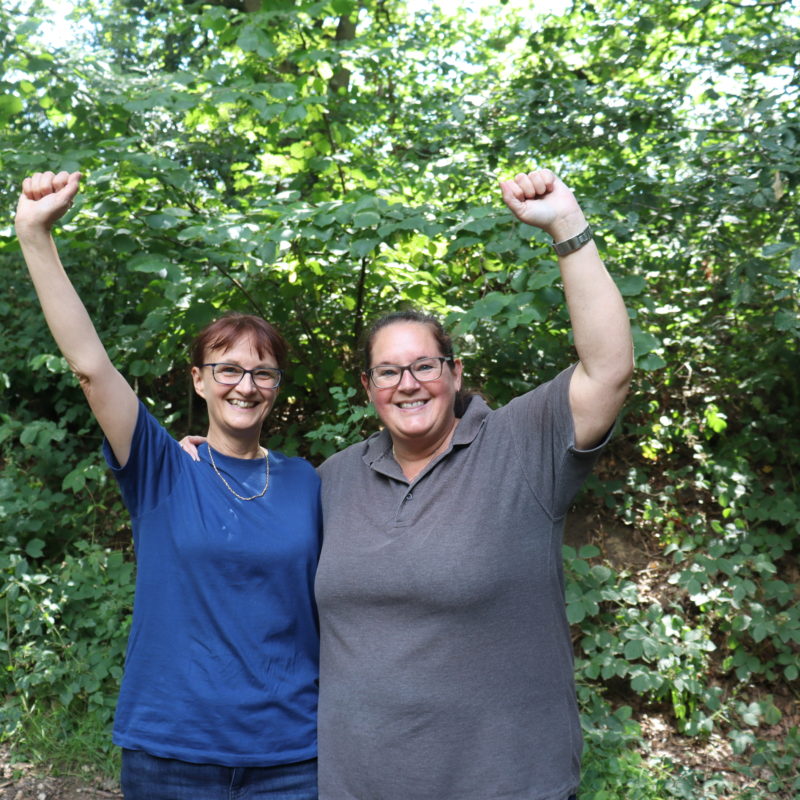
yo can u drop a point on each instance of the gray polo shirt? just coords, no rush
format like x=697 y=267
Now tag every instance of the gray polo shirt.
x=446 y=660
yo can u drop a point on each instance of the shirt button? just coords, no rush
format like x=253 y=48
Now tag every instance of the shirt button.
x=409 y=496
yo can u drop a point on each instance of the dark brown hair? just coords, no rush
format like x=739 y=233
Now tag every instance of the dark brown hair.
x=225 y=331
x=411 y=315
x=443 y=340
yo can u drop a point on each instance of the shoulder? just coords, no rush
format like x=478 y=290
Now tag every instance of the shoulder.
x=149 y=427
x=353 y=454
x=294 y=465
x=151 y=443
x=527 y=420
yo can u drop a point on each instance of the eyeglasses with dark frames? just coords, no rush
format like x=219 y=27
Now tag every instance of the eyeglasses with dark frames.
x=428 y=368
x=232 y=375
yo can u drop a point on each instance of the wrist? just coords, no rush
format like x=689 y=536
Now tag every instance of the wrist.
x=32 y=230
x=566 y=227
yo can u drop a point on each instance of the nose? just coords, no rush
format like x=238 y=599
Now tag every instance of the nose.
x=407 y=380
x=247 y=383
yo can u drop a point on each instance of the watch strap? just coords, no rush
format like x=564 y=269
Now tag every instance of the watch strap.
x=575 y=243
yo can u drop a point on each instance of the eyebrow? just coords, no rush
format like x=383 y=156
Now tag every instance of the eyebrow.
x=239 y=364
x=397 y=364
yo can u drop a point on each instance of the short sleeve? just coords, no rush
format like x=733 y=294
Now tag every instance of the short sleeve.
x=155 y=461
x=544 y=438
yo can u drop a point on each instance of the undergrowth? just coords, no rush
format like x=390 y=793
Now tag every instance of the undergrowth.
x=71 y=742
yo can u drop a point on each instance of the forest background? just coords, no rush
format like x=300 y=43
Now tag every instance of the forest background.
x=319 y=163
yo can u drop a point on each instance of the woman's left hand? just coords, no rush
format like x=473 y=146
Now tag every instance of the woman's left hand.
x=543 y=200
x=190 y=445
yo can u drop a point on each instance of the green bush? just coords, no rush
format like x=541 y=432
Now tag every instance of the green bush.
x=64 y=635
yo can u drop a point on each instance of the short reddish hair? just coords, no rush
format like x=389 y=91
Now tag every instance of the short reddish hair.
x=224 y=332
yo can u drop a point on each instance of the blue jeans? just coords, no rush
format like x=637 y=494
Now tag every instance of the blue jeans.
x=146 y=777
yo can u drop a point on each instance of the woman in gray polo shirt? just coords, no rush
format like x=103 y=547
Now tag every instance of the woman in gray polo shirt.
x=446 y=663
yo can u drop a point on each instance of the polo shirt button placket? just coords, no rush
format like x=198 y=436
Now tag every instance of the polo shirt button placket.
x=404 y=510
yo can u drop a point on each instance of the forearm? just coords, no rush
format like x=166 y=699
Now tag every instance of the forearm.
x=63 y=309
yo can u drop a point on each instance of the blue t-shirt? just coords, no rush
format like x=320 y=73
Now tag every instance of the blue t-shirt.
x=222 y=661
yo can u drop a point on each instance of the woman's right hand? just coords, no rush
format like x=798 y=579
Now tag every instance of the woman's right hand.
x=45 y=198
x=191 y=443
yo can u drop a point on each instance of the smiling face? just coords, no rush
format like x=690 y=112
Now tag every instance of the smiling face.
x=235 y=412
x=418 y=414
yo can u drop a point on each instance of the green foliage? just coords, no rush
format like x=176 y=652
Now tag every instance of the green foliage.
x=64 y=634
x=774 y=766
x=330 y=437
x=321 y=163
x=660 y=654
x=613 y=769
x=69 y=740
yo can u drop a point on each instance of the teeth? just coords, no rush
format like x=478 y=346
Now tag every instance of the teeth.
x=241 y=403
x=415 y=404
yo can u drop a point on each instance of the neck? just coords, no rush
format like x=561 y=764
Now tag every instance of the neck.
x=235 y=447
x=413 y=457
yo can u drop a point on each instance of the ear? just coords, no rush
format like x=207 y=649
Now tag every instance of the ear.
x=197 y=380
x=365 y=384
x=458 y=369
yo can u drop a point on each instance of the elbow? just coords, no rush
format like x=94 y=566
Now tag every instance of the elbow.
x=625 y=375
x=620 y=379
x=82 y=372
x=90 y=372
x=620 y=368
x=615 y=374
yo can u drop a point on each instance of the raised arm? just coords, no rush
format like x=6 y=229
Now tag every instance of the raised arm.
x=599 y=319
x=45 y=199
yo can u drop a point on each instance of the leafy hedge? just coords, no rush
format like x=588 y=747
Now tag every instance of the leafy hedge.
x=319 y=163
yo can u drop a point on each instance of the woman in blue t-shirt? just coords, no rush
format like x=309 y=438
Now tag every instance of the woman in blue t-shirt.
x=219 y=695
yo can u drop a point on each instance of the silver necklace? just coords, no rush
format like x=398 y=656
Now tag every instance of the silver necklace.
x=228 y=486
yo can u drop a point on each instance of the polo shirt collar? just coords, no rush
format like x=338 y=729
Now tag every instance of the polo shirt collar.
x=472 y=420
x=378 y=450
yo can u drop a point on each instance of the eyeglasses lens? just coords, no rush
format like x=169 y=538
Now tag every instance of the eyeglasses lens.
x=422 y=370
x=231 y=375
